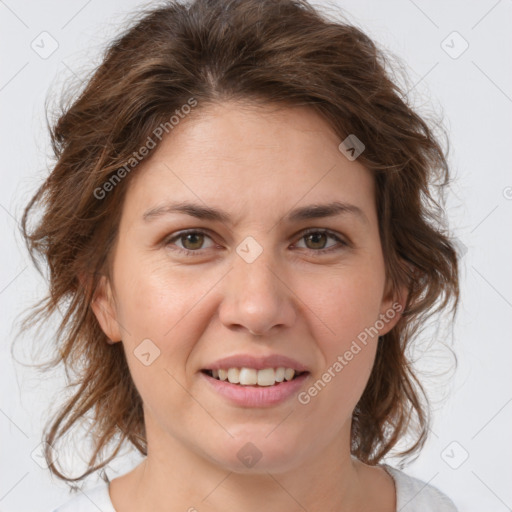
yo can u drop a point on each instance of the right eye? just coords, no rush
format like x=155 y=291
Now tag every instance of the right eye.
x=192 y=241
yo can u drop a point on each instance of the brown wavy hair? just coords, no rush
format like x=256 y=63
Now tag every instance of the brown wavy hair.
x=281 y=52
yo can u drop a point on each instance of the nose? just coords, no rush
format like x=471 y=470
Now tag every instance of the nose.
x=256 y=297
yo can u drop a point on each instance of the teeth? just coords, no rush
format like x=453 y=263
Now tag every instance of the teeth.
x=234 y=375
x=267 y=377
x=289 y=373
x=252 y=377
x=248 y=377
x=280 y=374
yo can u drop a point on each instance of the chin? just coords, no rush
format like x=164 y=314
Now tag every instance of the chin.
x=260 y=452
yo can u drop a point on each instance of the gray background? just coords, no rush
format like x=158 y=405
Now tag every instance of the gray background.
x=469 y=449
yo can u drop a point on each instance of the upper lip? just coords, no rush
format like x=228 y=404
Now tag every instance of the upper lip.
x=257 y=362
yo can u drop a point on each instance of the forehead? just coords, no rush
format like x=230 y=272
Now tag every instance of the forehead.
x=238 y=132
x=240 y=156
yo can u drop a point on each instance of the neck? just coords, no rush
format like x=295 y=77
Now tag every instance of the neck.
x=173 y=477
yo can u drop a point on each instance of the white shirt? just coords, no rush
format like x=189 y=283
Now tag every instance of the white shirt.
x=412 y=495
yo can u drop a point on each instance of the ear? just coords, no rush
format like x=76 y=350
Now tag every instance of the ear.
x=392 y=307
x=104 y=308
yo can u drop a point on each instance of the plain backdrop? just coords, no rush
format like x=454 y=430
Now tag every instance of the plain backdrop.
x=457 y=55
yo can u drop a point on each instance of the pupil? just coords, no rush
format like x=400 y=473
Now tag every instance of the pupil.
x=193 y=235
x=314 y=236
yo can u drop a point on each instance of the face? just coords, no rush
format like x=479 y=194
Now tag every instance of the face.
x=269 y=276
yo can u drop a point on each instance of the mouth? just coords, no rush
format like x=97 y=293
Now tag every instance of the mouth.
x=251 y=388
x=251 y=377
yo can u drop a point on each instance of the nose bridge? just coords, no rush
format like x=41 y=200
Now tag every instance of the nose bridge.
x=256 y=297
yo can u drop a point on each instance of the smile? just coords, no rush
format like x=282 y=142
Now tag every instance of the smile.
x=255 y=395
x=253 y=377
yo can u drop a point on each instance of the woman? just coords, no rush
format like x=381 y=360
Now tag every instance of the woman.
x=241 y=229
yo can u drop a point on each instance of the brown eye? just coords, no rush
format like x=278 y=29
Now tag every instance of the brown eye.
x=192 y=241
x=188 y=242
x=316 y=240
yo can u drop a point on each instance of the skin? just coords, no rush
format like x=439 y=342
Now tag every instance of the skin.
x=257 y=163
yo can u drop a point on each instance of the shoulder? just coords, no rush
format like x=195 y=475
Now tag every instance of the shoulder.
x=414 y=495
x=89 y=500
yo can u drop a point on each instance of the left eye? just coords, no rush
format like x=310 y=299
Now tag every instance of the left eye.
x=319 y=237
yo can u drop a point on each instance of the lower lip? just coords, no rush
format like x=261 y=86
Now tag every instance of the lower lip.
x=256 y=396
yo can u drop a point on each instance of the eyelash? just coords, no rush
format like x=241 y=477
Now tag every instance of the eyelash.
x=189 y=252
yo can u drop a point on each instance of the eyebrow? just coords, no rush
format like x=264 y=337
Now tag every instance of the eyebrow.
x=313 y=211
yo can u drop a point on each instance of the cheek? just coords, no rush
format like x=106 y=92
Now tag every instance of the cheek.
x=155 y=299
x=348 y=352
x=158 y=312
x=345 y=309
x=169 y=307
x=347 y=302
